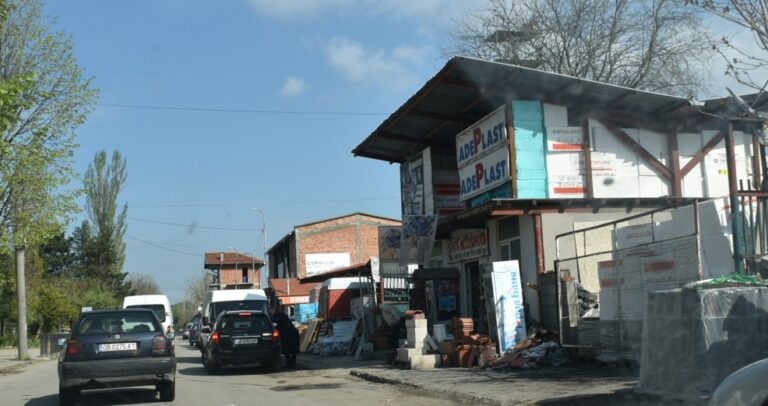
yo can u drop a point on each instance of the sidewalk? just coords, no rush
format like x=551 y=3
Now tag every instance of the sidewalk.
x=9 y=363
x=342 y=364
x=570 y=385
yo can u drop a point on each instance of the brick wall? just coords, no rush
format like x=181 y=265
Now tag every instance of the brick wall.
x=232 y=275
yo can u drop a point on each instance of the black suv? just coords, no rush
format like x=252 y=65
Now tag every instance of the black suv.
x=115 y=348
x=241 y=338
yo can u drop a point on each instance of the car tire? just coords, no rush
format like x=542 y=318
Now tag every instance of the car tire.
x=167 y=391
x=210 y=366
x=270 y=365
x=67 y=396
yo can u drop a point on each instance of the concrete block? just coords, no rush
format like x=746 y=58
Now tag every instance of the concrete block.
x=404 y=354
x=430 y=361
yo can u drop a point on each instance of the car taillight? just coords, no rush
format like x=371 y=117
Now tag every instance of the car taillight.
x=275 y=335
x=215 y=337
x=74 y=347
x=159 y=345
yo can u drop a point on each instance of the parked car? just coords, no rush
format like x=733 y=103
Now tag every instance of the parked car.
x=745 y=387
x=117 y=348
x=240 y=338
x=185 y=331
x=194 y=332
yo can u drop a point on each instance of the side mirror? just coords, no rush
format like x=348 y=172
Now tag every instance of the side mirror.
x=206 y=330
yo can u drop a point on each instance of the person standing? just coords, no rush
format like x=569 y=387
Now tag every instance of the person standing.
x=289 y=336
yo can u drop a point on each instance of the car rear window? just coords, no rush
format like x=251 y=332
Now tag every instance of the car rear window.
x=157 y=308
x=245 y=321
x=122 y=322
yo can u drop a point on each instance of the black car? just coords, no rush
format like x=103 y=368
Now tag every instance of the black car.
x=241 y=338
x=117 y=348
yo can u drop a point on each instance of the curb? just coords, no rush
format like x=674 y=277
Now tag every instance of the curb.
x=15 y=365
x=452 y=394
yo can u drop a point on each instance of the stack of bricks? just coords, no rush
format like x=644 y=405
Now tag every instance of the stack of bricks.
x=415 y=351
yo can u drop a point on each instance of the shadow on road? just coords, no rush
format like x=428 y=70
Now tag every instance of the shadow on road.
x=200 y=371
x=103 y=397
x=619 y=397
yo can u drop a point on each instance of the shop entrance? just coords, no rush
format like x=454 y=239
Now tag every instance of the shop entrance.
x=477 y=297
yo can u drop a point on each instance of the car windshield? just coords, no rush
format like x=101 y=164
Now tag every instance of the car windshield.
x=118 y=322
x=157 y=308
x=219 y=307
x=245 y=321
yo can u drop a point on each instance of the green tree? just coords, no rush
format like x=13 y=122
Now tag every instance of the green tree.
x=43 y=98
x=105 y=248
x=52 y=306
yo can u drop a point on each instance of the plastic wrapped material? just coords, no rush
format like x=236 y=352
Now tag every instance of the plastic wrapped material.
x=694 y=338
x=332 y=346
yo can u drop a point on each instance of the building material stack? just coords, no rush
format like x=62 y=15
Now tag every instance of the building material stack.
x=414 y=353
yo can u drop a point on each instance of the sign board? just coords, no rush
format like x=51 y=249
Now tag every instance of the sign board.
x=483 y=137
x=417 y=239
x=289 y=300
x=473 y=244
x=484 y=174
x=508 y=300
x=322 y=263
x=412 y=186
x=389 y=244
x=565 y=139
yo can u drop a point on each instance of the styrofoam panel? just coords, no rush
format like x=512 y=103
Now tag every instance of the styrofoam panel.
x=653 y=186
x=657 y=145
x=555 y=116
x=693 y=186
x=716 y=171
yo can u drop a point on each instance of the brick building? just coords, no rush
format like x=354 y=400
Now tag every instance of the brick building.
x=234 y=270
x=321 y=246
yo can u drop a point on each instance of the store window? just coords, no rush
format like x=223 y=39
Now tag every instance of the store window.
x=509 y=238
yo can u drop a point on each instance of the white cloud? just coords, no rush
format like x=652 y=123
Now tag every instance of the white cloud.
x=295 y=9
x=357 y=63
x=293 y=86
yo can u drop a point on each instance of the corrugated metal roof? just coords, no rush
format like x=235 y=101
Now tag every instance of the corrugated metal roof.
x=466 y=89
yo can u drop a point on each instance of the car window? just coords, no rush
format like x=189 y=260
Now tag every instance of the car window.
x=245 y=321
x=157 y=308
x=112 y=323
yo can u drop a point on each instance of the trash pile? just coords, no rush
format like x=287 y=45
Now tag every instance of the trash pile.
x=541 y=348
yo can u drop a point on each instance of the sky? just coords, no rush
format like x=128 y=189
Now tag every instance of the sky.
x=269 y=98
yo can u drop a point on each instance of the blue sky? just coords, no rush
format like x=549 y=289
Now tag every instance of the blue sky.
x=208 y=169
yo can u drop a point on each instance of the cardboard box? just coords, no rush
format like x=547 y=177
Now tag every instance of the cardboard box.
x=447 y=347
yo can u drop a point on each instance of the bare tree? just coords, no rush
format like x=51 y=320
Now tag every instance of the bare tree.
x=752 y=15
x=142 y=284
x=656 y=45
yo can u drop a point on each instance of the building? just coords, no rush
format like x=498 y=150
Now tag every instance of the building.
x=325 y=245
x=534 y=155
x=233 y=270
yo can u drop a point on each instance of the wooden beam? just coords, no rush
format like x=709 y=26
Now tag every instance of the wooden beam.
x=509 y=118
x=674 y=156
x=701 y=154
x=587 y=134
x=634 y=146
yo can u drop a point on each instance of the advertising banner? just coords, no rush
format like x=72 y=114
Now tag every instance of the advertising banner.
x=412 y=187
x=322 y=263
x=508 y=299
x=473 y=244
x=417 y=239
x=389 y=244
x=565 y=139
x=481 y=138
x=486 y=173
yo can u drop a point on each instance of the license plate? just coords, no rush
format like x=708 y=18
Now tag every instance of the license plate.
x=107 y=347
x=241 y=341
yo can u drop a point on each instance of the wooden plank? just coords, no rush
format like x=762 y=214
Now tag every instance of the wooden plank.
x=509 y=118
x=701 y=154
x=587 y=134
x=637 y=148
x=310 y=334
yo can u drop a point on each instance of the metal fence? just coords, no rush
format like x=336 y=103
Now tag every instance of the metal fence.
x=606 y=270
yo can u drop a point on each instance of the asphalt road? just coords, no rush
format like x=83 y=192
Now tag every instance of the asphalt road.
x=37 y=385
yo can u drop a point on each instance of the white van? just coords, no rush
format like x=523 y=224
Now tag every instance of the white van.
x=217 y=301
x=158 y=304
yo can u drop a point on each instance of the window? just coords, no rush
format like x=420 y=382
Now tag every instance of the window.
x=245 y=275
x=118 y=322
x=509 y=238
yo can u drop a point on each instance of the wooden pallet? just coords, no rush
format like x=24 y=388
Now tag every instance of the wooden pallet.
x=310 y=334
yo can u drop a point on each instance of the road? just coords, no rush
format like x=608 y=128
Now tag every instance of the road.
x=37 y=385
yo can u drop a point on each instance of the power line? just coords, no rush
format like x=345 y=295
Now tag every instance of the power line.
x=163 y=247
x=193 y=225
x=247 y=111
x=193 y=205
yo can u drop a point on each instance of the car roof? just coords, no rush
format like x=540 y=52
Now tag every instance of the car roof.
x=242 y=311
x=134 y=309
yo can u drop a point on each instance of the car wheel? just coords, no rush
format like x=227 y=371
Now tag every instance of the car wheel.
x=67 y=396
x=210 y=365
x=167 y=391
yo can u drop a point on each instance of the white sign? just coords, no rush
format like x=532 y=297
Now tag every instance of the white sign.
x=322 y=263
x=481 y=138
x=565 y=139
x=86 y=309
x=470 y=245
x=488 y=172
x=287 y=300
x=508 y=302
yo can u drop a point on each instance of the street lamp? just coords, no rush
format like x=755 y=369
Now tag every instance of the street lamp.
x=263 y=282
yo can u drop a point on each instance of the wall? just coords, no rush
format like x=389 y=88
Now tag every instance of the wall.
x=230 y=275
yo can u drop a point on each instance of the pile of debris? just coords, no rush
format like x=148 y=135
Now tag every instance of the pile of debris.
x=541 y=348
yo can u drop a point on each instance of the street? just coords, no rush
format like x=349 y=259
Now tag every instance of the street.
x=37 y=385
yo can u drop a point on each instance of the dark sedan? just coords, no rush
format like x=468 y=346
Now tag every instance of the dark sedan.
x=242 y=338
x=117 y=348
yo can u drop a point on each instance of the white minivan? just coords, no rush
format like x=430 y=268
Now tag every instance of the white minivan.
x=217 y=301
x=158 y=304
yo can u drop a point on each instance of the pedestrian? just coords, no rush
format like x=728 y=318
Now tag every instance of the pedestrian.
x=289 y=336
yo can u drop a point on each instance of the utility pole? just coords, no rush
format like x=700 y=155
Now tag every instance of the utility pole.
x=21 y=297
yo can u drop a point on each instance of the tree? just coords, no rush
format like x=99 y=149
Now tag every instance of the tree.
x=105 y=249
x=43 y=98
x=52 y=306
x=142 y=284
x=752 y=15
x=657 y=45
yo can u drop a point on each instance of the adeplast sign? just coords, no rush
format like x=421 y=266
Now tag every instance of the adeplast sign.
x=481 y=138
x=482 y=155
